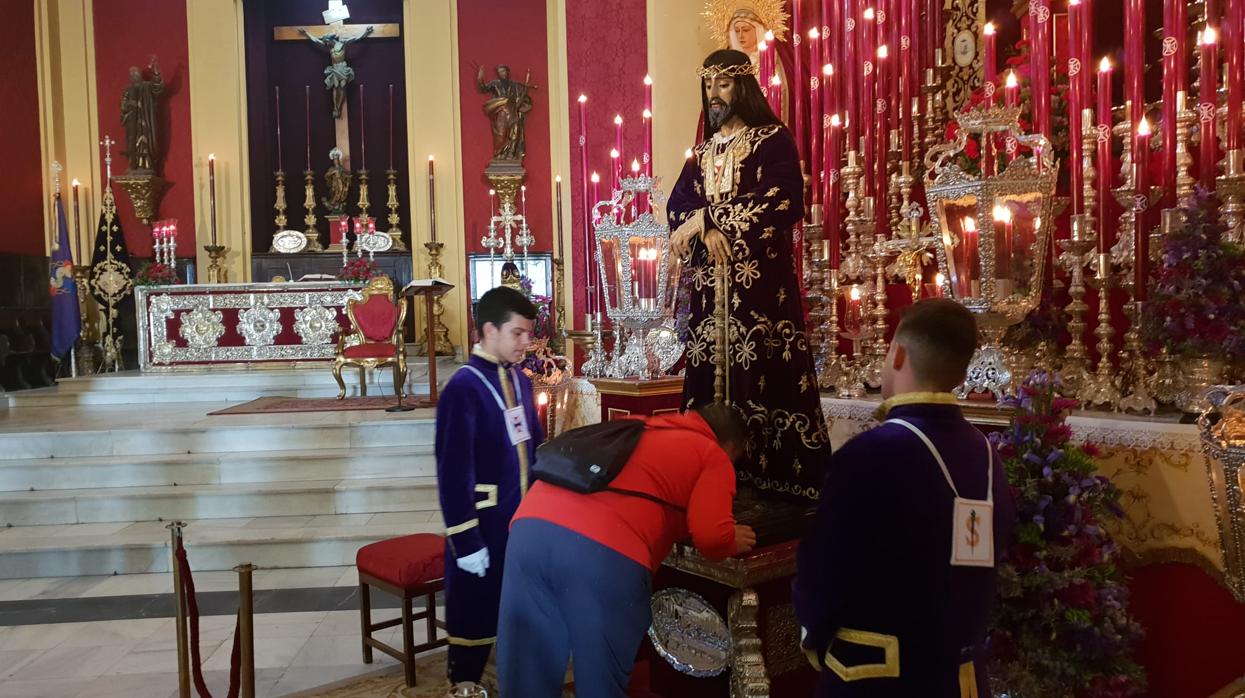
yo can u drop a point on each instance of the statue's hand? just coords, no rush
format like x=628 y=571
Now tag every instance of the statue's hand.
x=681 y=239
x=718 y=246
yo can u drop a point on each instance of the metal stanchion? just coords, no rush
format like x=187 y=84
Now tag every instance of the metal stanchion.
x=179 y=596
x=246 y=629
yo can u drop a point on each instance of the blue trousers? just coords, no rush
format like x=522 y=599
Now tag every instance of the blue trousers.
x=565 y=596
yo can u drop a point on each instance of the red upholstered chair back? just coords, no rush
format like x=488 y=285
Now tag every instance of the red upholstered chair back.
x=375 y=318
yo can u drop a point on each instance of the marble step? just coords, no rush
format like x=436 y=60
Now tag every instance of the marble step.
x=216 y=468
x=105 y=549
x=312 y=497
x=319 y=430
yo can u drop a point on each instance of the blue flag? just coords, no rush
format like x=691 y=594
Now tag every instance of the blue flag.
x=66 y=320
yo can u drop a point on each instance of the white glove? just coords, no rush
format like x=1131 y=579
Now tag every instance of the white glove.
x=476 y=563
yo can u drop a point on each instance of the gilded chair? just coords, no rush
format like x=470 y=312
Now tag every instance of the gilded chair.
x=375 y=336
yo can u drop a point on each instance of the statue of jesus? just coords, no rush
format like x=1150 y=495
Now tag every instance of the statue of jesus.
x=337 y=75
x=507 y=109
x=138 y=116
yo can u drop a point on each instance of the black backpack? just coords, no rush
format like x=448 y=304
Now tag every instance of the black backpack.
x=587 y=459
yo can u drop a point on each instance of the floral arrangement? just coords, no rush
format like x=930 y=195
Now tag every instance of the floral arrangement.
x=542 y=365
x=1061 y=625
x=359 y=271
x=542 y=328
x=156 y=274
x=1194 y=307
x=969 y=160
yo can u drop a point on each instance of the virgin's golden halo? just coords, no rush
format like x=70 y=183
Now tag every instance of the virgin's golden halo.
x=719 y=14
x=730 y=71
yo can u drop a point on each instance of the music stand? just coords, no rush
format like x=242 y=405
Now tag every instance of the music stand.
x=430 y=290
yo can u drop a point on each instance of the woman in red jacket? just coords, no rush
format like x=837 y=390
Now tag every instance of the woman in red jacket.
x=579 y=566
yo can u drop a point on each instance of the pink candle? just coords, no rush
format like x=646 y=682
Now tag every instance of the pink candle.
x=1040 y=15
x=833 y=225
x=1075 y=103
x=853 y=72
x=1134 y=66
x=1105 y=179
x=391 y=125
x=866 y=106
x=648 y=125
x=1180 y=18
x=618 y=146
x=816 y=132
x=1011 y=90
x=1208 y=80
x=1234 y=34
x=1171 y=65
x=881 y=106
x=585 y=205
x=798 y=80
x=990 y=61
x=596 y=189
x=212 y=195
x=362 y=129
x=1141 y=167
x=307 y=107
x=277 y=89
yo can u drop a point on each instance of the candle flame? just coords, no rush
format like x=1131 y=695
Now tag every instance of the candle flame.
x=762 y=45
x=1012 y=82
x=970 y=224
x=542 y=399
x=775 y=81
x=596 y=178
x=1104 y=65
x=647 y=114
x=835 y=121
x=883 y=51
x=854 y=293
x=1208 y=36
x=1002 y=214
x=648 y=79
x=430 y=157
x=769 y=35
x=814 y=33
x=558 y=179
x=1074 y=2
x=618 y=119
x=687 y=153
x=868 y=14
x=492 y=192
x=939 y=278
x=988 y=30
x=614 y=153
x=635 y=165
x=211 y=157
x=75 y=181
x=523 y=188
x=827 y=69
x=583 y=98
x=1143 y=127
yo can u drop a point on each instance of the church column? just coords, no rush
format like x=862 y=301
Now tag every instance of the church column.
x=433 y=126
x=68 y=109
x=218 y=126
x=560 y=146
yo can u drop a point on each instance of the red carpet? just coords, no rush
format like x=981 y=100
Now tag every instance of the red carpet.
x=278 y=403
x=1195 y=630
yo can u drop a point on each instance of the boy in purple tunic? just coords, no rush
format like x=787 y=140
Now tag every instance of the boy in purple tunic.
x=896 y=576
x=487 y=434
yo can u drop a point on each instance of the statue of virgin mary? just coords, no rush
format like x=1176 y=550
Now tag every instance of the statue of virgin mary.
x=742 y=25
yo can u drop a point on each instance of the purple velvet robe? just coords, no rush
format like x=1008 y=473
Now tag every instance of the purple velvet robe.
x=751 y=189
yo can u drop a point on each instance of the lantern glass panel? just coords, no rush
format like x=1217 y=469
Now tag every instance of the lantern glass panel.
x=961 y=240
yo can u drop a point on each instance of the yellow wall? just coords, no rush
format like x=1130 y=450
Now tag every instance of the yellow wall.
x=560 y=142
x=676 y=47
x=68 y=112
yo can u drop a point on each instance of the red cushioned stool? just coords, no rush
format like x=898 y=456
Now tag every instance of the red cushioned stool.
x=405 y=567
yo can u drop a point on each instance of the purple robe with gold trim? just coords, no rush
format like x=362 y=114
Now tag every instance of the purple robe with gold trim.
x=750 y=188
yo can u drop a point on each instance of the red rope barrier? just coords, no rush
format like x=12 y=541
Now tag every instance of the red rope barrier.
x=196 y=662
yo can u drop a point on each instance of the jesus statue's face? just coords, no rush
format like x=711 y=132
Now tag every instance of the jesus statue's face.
x=720 y=95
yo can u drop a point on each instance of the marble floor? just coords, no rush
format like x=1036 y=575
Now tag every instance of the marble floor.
x=136 y=657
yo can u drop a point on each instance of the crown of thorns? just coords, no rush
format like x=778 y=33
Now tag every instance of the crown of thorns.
x=731 y=71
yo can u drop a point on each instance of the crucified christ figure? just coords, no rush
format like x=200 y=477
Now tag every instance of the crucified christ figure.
x=337 y=75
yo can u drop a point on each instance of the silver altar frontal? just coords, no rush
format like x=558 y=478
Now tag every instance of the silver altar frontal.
x=192 y=327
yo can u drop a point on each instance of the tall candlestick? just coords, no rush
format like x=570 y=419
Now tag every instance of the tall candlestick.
x=1141 y=247
x=1104 y=155
x=829 y=103
x=881 y=130
x=585 y=205
x=391 y=126
x=1040 y=15
x=212 y=194
x=1234 y=46
x=775 y=94
x=77 y=230
x=277 y=89
x=362 y=130
x=557 y=205
x=616 y=164
x=833 y=220
x=1171 y=66
x=989 y=61
x=648 y=125
x=1011 y=90
x=866 y=106
x=1135 y=57
x=816 y=133
x=596 y=185
x=851 y=69
x=432 y=201
x=1207 y=104
x=618 y=144
x=307 y=109
x=1075 y=104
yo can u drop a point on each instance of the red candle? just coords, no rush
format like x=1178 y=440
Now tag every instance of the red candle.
x=1040 y=15
x=362 y=129
x=1104 y=154
x=816 y=132
x=1234 y=34
x=432 y=201
x=307 y=108
x=212 y=194
x=866 y=106
x=1171 y=66
x=648 y=125
x=391 y=126
x=882 y=133
x=1180 y=18
x=833 y=219
x=1011 y=90
x=277 y=89
x=1135 y=66
x=852 y=70
x=1141 y=248
x=618 y=146
x=584 y=203
x=798 y=80
x=1075 y=103
x=829 y=100
x=989 y=61
x=1206 y=109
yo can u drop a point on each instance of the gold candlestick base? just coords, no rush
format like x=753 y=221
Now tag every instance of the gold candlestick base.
x=217 y=273
x=558 y=341
x=1102 y=388
x=394 y=232
x=309 y=205
x=1138 y=398
x=1075 y=371
x=443 y=345
x=1231 y=188
x=280 y=205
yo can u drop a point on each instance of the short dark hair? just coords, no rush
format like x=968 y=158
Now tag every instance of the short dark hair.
x=727 y=422
x=497 y=305
x=750 y=102
x=940 y=336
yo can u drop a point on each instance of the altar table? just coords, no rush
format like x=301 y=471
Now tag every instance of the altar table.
x=194 y=326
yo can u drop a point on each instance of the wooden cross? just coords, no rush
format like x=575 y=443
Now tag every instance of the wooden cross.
x=335 y=17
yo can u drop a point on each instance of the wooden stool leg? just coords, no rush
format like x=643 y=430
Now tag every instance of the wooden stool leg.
x=408 y=641
x=365 y=619
x=431 y=618
x=362 y=381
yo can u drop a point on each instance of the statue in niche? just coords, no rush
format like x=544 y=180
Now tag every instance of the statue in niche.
x=338 y=179
x=337 y=75
x=138 y=117
x=507 y=110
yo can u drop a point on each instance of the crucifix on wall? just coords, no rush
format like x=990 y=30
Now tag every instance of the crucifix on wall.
x=334 y=36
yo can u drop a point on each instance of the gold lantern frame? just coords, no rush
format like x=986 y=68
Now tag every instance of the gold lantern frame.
x=1028 y=179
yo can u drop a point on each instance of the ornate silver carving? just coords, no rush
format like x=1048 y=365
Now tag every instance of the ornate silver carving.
x=201 y=328
x=689 y=633
x=259 y=325
x=1222 y=429
x=316 y=325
